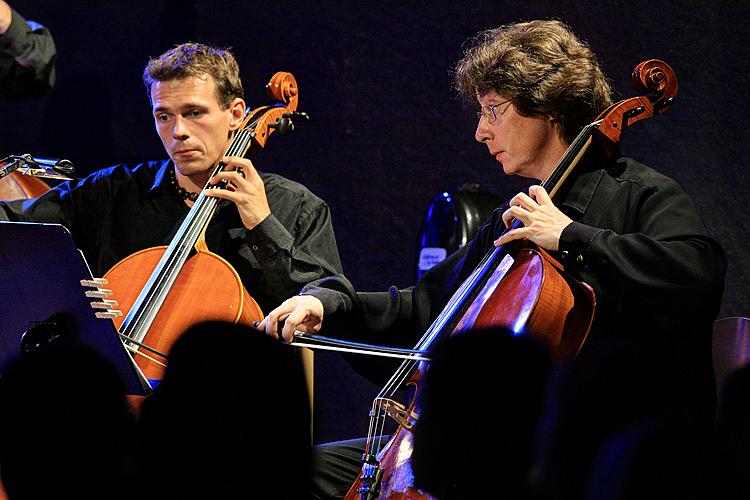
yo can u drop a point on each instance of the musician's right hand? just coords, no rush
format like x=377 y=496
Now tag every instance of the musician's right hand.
x=299 y=313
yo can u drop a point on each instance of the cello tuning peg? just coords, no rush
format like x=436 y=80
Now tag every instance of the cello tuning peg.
x=297 y=114
x=663 y=105
x=94 y=283
x=283 y=125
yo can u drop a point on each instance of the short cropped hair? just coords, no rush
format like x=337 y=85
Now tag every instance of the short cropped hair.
x=542 y=67
x=197 y=60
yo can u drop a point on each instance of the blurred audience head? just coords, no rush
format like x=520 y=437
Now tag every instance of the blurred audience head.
x=610 y=386
x=65 y=427
x=481 y=399
x=653 y=458
x=231 y=419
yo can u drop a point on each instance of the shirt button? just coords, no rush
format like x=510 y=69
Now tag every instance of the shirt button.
x=579 y=259
x=564 y=255
x=255 y=248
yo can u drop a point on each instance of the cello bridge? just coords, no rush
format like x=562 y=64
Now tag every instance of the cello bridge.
x=370 y=478
x=404 y=416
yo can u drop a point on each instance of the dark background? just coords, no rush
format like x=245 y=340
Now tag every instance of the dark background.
x=387 y=131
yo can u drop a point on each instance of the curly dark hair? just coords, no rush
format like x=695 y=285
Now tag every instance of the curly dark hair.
x=542 y=67
x=198 y=60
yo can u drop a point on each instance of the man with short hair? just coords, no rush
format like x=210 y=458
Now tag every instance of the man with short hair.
x=275 y=233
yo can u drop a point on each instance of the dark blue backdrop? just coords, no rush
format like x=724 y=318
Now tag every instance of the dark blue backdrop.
x=387 y=131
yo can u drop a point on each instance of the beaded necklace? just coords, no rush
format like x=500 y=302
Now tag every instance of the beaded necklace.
x=180 y=191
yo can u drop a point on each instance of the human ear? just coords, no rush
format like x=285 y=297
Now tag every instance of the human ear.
x=237 y=111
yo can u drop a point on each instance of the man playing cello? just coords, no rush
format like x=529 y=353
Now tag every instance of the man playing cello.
x=274 y=232
x=628 y=231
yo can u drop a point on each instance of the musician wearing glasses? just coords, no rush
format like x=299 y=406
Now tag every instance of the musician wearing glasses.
x=625 y=229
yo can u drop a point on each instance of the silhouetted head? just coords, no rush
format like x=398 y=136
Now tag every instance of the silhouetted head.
x=604 y=391
x=653 y=458
x=231 y=418
x=65 y=427
x=482 y=397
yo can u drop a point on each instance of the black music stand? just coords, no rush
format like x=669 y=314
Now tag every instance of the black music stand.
x=40 y=283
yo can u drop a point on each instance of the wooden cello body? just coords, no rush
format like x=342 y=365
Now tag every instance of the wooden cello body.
x=520 y=288
x=17 y=186
x=21 y=176
x=207 y=288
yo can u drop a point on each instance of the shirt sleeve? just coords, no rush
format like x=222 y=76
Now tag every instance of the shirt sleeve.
x=669 y=258
x=370 y=317
x=27 y=60
x=290 y=261
x=397 y=317
x=68 y=204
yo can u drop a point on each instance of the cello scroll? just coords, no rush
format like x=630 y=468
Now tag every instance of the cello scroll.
x=653 y=78
x=264 y=120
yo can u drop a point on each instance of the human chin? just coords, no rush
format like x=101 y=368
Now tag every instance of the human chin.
x=189 y=166
x=509 y=168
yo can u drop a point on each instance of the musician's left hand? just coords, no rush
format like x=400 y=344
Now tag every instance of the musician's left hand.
x=543 y=222
x=245 y=189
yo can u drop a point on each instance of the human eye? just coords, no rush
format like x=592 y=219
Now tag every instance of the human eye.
x=195 y=113
x=489 y=112
x=162 y=117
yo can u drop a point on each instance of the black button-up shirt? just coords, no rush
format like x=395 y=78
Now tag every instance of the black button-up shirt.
x=120 y=210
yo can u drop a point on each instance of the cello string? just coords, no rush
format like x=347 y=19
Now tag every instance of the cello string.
x=135 y=350
x=205 y=206
x=176 y=254
x=370 y=429
x=437 y=326
x=154 y=293
x=196 y=223
x=569 y=161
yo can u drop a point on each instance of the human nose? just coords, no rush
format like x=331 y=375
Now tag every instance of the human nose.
x=483 y=132
x=180 y=131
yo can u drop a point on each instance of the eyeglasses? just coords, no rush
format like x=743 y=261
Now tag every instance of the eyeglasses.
x=490 y=114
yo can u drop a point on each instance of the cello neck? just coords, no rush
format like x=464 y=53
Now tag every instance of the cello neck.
x=570 y=159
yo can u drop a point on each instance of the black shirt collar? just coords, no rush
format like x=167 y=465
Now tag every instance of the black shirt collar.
x=161 y=179
x=577 y=196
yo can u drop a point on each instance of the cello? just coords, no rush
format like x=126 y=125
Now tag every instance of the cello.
x=164 y=290
x=21 y=187
x=521 y=288
x=21 y=176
